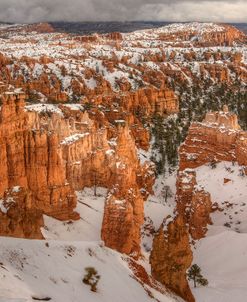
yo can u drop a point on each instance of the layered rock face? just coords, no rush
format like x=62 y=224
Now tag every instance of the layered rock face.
x=31 y=159
x=193 y=203
x=207 y=34
x=171 y=256
x=49 y=151
x=18 y=218
x=217 y=138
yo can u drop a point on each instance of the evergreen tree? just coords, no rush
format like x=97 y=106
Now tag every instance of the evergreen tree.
x=195 y=275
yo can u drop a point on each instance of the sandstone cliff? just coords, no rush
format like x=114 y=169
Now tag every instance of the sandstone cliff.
x=171 y=256
x=193 y=203
x=31 y=159
x=48 y=151
x=218 y=138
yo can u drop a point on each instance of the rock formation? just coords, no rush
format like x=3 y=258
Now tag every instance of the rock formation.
x=31 y=159
x=49 y=151
x=102 y=91
x=218 y=138
x=193 y=203
x=171 y=256
x=205 y=35
x=18 y=218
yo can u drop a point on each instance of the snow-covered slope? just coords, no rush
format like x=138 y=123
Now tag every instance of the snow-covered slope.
x=157 y=208
x=199 y=28
x=222 y=255
x=228 y=188
x=54 y=268
x=32 y=269
x=88 y=228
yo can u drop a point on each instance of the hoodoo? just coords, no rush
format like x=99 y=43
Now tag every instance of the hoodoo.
x=217 y=138
x=123 y=151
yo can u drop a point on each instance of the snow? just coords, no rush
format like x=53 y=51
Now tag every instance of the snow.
x=143 y=155
x=54 y=268
x=110 y=152
x=73 y=138
x=223 y=260
x=74 y=107
x=3 y=209
x=44 y=108
x=119 y=202
x=222 y=254
x=91 y=83
x=156 y=208
x=16 y=189
x=5 y=205
x=230 y=196
x=31 y=268
x=88 y=228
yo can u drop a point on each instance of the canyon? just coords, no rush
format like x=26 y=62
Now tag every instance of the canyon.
x=78 y=113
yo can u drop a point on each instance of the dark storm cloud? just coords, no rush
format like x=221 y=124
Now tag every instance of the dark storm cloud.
x=120 y=10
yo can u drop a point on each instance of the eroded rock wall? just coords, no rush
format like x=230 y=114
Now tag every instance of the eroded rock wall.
x=217 y=138
x=49 y=151
x=171 y=256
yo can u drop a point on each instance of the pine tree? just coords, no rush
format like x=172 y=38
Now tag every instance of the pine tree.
x=195 y=275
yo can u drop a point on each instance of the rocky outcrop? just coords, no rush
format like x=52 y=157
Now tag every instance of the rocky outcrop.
x=123 y=217
x=50 y=151
x=114 y=36
x=39 y=28
x=193 y=203
x=18 y=218
x=171 y=256
x=31 y=158
x=215 y=139
x=241 y=149
x=218 y=138
x=93 y=160
x=204 y=35
x=226 y=36
x=124 y=212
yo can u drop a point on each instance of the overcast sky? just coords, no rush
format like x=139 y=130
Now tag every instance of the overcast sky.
x=123 y=10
